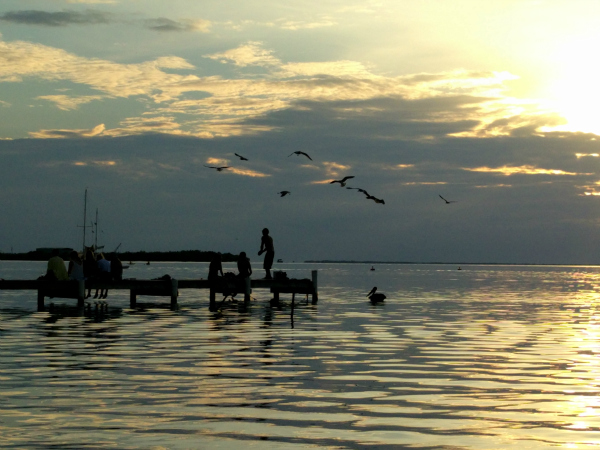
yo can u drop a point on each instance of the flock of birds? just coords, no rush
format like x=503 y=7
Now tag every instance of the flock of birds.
x=341 y=182
x=373 y=295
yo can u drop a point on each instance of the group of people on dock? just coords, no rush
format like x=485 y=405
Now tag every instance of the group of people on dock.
x=89 y=266
x=94 y=266
x=215 y=268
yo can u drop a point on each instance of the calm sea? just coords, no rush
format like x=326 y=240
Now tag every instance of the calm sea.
x=487 y=357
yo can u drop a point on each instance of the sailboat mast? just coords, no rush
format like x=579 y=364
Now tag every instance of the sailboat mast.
x=96 y=233
x=84 y=217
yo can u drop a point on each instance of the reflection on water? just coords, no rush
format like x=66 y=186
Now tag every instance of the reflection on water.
x=482 y=358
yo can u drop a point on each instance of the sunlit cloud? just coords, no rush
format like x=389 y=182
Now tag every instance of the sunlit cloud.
x=141 y=125
x=472 y=102
x=423 y=183
x=334 y=169
x=248 y=172
x=486 y=186
x=68 y=103
x=65 y=133
x=521 y=170
x=250 y=54
x=584 y=155
x=304 y=25
x=217 y=161
x=95 y=163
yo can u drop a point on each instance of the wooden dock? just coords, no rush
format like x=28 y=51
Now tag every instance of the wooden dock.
x=163 y=288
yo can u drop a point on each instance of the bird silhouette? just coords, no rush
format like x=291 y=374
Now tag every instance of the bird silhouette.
x=300 y=153
x=375 y=199
x=284 y=193
x=342 y=181
x=218 y=169
x=375 y=296
x=359 y=190
x=241 y=157
x=447 y=201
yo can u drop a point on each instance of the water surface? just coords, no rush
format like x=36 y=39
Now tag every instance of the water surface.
x=487 y=357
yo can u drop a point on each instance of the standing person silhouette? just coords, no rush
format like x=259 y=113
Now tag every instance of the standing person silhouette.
x=266 y=247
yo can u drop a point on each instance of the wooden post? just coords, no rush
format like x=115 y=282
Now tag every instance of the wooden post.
x=212 y=302
x=173 y=292
x=315 y=295
x=40 y=300
x=80 y=293
x=132 y=298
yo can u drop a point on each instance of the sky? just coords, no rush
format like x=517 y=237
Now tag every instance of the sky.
x=491 y=105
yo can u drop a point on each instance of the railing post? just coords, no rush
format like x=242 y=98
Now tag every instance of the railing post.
x=40 y=300
x=132 y=298
x=174 y=285
x=315 y=294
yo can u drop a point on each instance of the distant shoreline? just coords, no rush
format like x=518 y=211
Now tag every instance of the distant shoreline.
x=206 y=256
x=177 y=256
x=463 y=263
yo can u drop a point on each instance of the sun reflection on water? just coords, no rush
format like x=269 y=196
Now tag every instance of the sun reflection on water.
x=493 y=358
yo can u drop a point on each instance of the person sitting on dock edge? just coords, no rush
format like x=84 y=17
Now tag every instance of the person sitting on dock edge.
x=75 y=267
x=56 y=268
x=266 y=247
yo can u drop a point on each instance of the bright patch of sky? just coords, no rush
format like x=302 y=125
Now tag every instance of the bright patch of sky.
x=405 y=95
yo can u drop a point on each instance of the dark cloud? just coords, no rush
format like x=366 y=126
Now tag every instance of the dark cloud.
x=167 y=25
x=57 y=19
x=163 y=24
x=153 y=191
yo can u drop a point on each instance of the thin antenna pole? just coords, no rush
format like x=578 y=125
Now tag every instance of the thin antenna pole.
x=84 y=217
x=96 y=234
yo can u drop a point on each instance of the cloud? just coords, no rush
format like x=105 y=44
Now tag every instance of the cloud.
x=95 y=163
x=165 y=25
x=249 y=54
x=68 y=103
x=57 y=19
x=295 y=25
x=54 y=134
x=419 y=106
x=522 y=170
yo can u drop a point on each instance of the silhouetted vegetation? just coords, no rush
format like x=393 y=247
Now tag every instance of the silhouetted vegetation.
x=179 y=256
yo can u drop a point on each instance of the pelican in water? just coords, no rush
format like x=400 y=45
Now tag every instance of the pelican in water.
x=375 y=296
x=342 y=181
x=300 y=153
x=218 y=169
x=241 y=157
x=284 y=193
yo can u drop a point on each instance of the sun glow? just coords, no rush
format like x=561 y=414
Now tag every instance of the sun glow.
x=576 y=92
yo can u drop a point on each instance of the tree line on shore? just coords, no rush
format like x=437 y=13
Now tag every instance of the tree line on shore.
x=172 y=256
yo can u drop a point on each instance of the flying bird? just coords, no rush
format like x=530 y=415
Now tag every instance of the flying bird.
x=300 y=153
x=447 y=201
x=342 y=181
x=218 y=169
x=241 y=157
x=284 y=193
x=375 y=296
x=375 y=199
x=359 y=190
